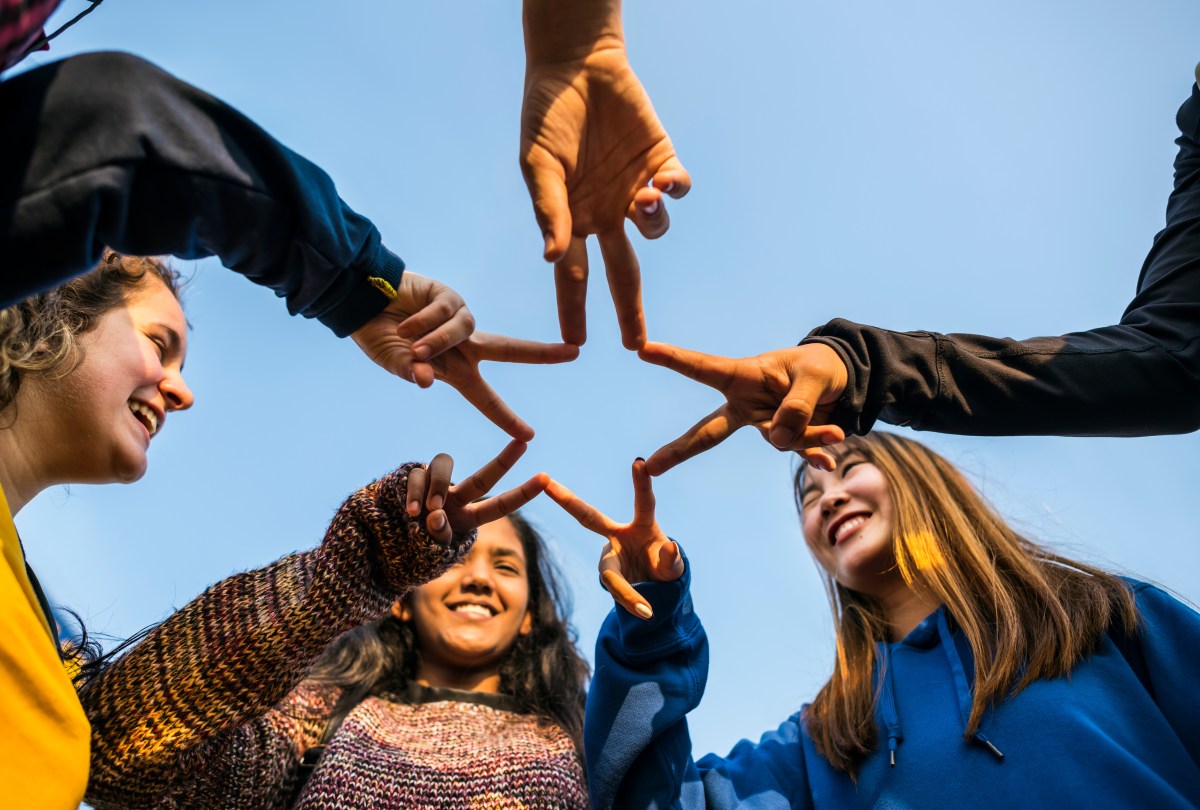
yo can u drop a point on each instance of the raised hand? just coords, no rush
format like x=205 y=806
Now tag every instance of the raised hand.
x=637 y=551
x=788 y=395
x=437 y=341
x=593 y=153
x=455 y=509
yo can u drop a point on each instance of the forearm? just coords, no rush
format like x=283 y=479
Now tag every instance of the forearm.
x=1140 y=376
x=648 y=676
x=234 y=652
x=557 y=31
x=108 y=150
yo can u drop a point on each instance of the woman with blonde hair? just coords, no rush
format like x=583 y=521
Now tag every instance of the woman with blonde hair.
x=974 y=668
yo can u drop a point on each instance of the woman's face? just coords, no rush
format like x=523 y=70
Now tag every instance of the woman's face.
x=469 y=618
x=848 y=525
x=99 y=419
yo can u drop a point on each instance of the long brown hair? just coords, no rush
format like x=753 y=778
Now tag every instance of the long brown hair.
x=1027 y=612
x=544 y=671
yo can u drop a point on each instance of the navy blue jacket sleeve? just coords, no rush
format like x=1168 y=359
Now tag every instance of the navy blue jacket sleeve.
x=106 y=149
x=648 y=676
x=1138 y=377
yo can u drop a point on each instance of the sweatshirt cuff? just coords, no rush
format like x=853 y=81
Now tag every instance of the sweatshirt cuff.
x=377 y=285
x=848 y=412
x=674 y=622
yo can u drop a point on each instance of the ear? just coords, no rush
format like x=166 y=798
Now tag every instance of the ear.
x=401 y=610
x=527 y=623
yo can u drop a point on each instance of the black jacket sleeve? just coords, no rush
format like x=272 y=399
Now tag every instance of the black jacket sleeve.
x=1139 y=377
x=105 y=149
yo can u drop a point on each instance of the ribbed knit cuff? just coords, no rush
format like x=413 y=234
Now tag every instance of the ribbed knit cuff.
x=378 y=282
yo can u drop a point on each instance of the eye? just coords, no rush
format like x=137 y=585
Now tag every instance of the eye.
x=508 y=568
x=160 y=346
x=850 y=466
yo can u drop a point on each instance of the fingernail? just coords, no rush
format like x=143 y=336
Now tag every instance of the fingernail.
x=414 y=507
x=643 y=610
x=670 y=187
x=435 y=503
x=639 y=458
x=437 y=522
x=422 y=353
x=412 y=376
x=782 y=437
x=651 y=209
x=549 y=237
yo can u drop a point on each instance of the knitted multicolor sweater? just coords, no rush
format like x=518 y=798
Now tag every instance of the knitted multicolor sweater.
x=199 y=713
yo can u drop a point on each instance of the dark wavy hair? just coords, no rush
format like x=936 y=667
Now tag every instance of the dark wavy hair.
x=40 y=335
x=543 y=671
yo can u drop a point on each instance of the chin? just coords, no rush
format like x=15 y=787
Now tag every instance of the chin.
x=126 y=471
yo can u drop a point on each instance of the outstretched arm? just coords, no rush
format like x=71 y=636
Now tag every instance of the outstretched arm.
x=593 y=153
x=175 y=713
x=651 y=668
x=1138 y=377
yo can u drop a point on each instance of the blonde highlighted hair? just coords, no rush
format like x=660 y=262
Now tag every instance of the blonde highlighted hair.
x=40 y=335
x=1027 y=612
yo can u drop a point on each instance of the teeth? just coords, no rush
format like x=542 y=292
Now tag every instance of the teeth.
x=848 y=528
x=474 y=610
x=145 y=414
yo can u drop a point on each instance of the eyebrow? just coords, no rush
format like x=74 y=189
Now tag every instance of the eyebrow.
x=507 y=552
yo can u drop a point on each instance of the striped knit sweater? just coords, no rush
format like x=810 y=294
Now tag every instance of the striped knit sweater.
x=187 y=715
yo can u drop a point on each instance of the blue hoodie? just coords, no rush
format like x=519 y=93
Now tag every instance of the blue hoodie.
x=1123 y=730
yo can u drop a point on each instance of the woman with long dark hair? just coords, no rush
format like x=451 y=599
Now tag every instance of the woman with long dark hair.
x=974 y=667
x=468 y=692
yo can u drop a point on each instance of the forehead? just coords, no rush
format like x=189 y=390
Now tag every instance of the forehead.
x=499 y=538
x=815 y=479
x=152 y=300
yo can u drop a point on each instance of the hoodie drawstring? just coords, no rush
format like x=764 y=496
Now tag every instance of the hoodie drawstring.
x=891 y=717
x=962 y=686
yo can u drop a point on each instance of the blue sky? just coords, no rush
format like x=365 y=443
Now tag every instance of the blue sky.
x=993 y=168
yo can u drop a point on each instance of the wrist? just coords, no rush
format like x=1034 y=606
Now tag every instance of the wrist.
x=558 y=31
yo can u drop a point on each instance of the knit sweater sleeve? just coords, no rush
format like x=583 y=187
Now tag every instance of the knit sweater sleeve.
x=648 y=676
x=178 y=706
x=1140 y=376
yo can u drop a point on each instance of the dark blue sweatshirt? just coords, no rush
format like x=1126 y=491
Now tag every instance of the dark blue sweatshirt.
x=1123 y=730
x=105 y=149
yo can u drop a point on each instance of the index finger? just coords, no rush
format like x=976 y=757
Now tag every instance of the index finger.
x=643 y=495
x=589 y=517
x=712 y=370
x=503 y=504
x=570 y=290
x=476 y=391
x=625 y=285
x=704 y=435
x=478 y=483
x=504 y=349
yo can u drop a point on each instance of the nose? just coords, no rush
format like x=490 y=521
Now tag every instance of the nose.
x=476 y=577
x=831 y=500
x=176 y=392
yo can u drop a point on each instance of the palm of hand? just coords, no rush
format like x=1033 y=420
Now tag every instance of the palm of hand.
x=595 y=123
x=642 y=553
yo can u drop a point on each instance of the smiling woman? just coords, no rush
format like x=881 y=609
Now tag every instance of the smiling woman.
x=973 y=667
x=483 y=654
x=88 y=372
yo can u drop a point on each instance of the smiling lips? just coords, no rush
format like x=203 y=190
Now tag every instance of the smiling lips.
x=474 y=610
x=845 y=526
x=146 y=415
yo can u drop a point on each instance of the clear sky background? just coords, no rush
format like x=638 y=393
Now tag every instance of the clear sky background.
x=944 y=165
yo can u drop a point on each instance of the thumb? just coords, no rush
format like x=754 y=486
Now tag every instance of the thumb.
x=795 y=411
